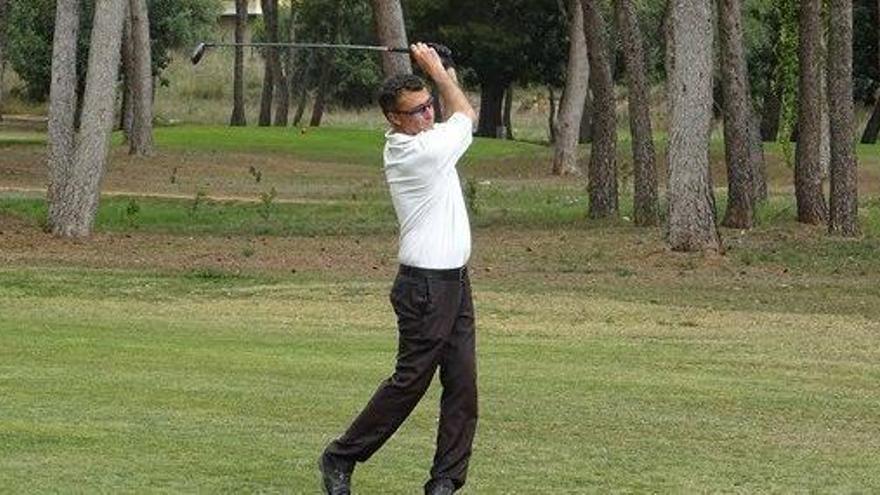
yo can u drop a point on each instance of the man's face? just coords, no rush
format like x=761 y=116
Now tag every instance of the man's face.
x=414 y=112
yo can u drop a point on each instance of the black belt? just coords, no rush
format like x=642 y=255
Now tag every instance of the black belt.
x=451 y=274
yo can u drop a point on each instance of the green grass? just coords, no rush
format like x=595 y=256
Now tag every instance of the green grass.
x=149 y=382
x=207 y=361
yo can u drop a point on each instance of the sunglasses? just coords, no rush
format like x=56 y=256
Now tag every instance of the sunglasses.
x=421 y=109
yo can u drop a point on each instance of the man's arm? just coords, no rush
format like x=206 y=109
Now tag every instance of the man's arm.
x=453 y=98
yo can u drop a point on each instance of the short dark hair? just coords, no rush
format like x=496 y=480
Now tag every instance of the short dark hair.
x=393 y=86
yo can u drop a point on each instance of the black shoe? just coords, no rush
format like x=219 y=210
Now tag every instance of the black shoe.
x=336 y=473
x=439 y=487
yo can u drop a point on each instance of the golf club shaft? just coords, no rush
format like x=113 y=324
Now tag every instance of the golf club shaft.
x=318 y=45
x=200 y=49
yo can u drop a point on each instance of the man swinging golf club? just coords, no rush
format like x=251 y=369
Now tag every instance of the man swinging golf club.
x=431 y=294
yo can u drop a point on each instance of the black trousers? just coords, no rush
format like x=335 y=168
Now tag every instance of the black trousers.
x=435 y=319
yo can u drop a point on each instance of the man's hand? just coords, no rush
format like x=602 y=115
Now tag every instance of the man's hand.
x=445 y=55
x=454 y=100
x=428 y=59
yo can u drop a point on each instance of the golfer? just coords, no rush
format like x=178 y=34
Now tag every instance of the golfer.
x=431 y=294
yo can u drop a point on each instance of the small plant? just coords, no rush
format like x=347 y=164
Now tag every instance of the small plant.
x=255 y=173
x=198 y=200
x=173 y=178
x=248 y=252
x=266 y=200
x=130 y=214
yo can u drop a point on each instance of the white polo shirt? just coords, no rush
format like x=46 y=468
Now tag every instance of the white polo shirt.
x=426 y=192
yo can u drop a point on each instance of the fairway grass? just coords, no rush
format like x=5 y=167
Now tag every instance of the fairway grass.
x=230 y=316
x=133 y=381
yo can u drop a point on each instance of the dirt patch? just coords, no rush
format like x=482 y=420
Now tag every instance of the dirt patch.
x=576 y=256
x=218 y=175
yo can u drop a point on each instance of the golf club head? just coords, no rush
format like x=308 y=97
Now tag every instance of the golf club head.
x=198 y=53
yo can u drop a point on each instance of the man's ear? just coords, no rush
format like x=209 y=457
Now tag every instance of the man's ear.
x=393 y=118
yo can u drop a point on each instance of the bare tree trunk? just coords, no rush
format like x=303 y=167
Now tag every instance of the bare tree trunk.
x=63 y=105
x=506 y=118
x=602 y=170
x=737 y=117
x=585 y=131
x=126 y=115
x=3 y=23
x=300 y=105
x=321 y=94
x=326 y=64
x=238 y=116
x=825 y=148
x=78 y=197
x=304 y=84
x=289 y=67
x=571 y=105
x=265 y=118
x=391 y=31
x=772 y=111
x=645 y=205
x=808 y=167
x=491 y=106
x=689 y=65
x=551 y=114
x=270 y=54
x=279 y=78
x=141 y=137
x=844 y=211
x=759 y=166
x=873 y=126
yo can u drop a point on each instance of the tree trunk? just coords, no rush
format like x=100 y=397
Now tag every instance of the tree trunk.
x=391 y=31
x=808 y=167
x=3 y=24
x=844 y=206
x=737 y=117
x=305 y=83
x=585 y=131
x=326 y=64
x=759 y=166
x=300 y=106
x=279 y=78
x=270 y=56
x=491 y=104
x=141 y=137
x=551 y=114
x=321 y=95
x=238 y=116
x=290 y=55
x=602 y=171
x=571 y=105
x=772 y=111
x=645 y=207
x=79 y=195
x=508 y=110
x=873 y=126
x=825 y=148
x=126 y=115
x=63 y=100
x=265 y=118
x=689 y=65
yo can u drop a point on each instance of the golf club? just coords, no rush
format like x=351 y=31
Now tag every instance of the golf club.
x=199 y=52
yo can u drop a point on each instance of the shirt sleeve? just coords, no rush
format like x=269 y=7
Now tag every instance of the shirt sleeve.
x=446 y=142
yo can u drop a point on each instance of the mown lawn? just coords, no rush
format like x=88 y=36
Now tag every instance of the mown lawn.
x=142 y=382
x=213 y=338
